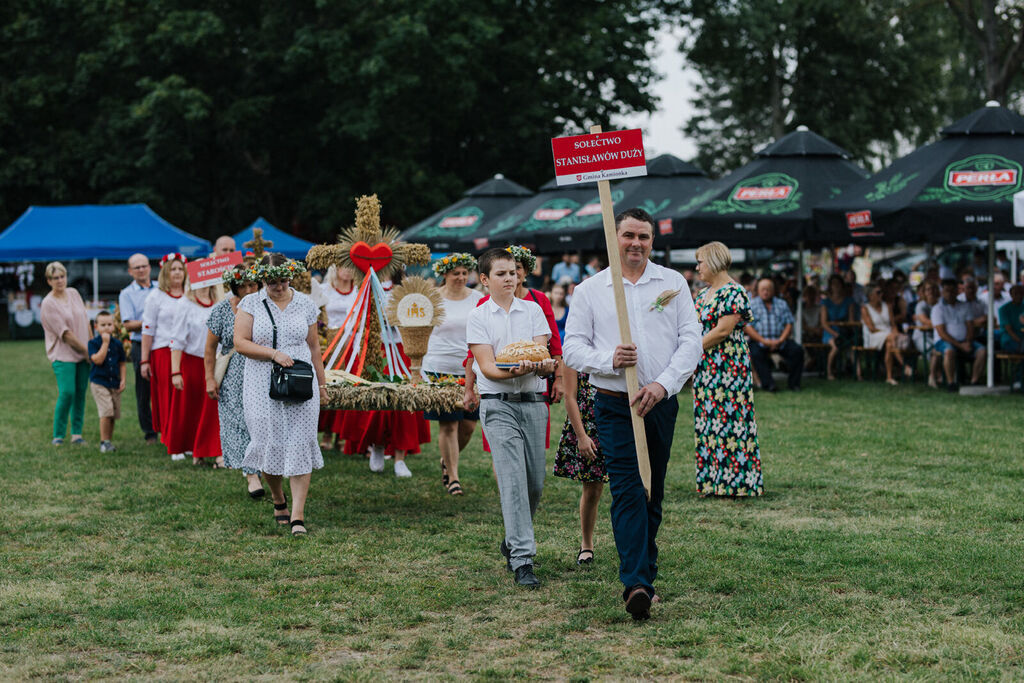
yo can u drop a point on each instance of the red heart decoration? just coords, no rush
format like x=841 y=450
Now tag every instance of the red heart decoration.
x=363 y=256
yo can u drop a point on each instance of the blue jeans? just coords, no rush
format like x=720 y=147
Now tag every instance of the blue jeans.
x=635 y=520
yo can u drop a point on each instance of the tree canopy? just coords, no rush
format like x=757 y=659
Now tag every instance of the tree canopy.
x=870 y=75
x=214 y=113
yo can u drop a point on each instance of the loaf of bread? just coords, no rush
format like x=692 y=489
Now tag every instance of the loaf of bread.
x=523 y=350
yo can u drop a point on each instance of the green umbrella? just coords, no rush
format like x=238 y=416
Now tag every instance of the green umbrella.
x=959 y=187
x=769 y=201
x=452 y=228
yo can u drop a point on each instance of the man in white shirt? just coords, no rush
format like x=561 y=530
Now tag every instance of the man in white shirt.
x=512 y=408
x=665 y=350
x=954 y=330
x=1002 y=295
x=131 y=302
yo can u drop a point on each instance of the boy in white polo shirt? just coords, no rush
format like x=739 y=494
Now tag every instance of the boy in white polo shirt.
x=512 y=408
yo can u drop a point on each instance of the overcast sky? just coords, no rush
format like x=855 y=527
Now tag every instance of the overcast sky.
x=662 y=129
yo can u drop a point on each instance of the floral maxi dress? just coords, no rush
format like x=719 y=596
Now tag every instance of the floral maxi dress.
x=728 y=457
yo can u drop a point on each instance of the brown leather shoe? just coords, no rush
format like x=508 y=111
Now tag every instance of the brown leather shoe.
x=638 y=604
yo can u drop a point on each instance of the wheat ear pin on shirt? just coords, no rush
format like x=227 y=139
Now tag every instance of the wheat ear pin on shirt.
x=663 y=299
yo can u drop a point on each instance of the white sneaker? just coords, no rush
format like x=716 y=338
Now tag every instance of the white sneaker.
x=401 y=469
x=177 y=456
x=376 y=460
x=107 y=447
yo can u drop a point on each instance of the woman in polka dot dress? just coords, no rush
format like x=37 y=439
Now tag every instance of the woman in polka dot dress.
x=283 y=436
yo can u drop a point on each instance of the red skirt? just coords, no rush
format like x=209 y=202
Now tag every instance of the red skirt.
x=194 y=423
x=333 y=421
x=160 y=389
x=395 y=430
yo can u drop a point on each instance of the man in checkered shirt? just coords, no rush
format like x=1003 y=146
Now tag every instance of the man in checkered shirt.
x=770 y=333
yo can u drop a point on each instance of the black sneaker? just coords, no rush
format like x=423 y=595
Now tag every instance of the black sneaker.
x=953 y=388
x=526 y=578
x=507 y=553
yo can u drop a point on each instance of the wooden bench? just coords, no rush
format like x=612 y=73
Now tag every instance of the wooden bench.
x=818 y=354
x=1006 y=362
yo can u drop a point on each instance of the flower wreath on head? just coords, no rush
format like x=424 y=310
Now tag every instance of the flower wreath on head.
x=453 y=261
x=173 y=256
x=523 y=255
x=286 y=271
x=238 y=275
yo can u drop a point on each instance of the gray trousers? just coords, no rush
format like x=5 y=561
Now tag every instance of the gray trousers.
x=515 y=432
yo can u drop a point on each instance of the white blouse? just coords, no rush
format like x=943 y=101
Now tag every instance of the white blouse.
x=188 y=329
x=158 y=317
x=448 y=348
x=337 y=304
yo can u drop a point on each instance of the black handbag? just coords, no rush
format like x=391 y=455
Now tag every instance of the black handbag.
x=290 y=385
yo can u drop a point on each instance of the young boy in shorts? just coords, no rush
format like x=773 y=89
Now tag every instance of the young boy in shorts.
x=512 y=408
x=106 y=378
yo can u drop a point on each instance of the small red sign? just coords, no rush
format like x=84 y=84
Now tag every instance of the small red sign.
x=458 y=221
x=1002 y=176
x=207 y=272
x=858 y=220
x=750 y=194
x=481 y=243
x=599 y=156
x=550 y=214
x=665 y=226
x=589 y=209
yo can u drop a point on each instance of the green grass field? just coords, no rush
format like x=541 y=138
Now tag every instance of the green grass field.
x=889 y=545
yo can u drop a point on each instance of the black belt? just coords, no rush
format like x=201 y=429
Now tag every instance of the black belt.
x=527 y=397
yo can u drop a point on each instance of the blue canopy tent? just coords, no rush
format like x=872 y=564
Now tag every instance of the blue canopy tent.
x=69 y=233
x=289 y=245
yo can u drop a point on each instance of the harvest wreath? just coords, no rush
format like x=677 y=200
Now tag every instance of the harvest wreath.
x=365 y=369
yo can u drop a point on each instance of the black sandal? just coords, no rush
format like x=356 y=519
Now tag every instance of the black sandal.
x=444 y=474
x=282 y=519
x=581 y=561
x=298 y=532
x=454 y=488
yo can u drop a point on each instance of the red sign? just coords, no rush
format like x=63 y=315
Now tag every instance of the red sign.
x=750 y=194
x=550 y=214
x=481 y=243
x=458 y=221
x=599 y=156
x=1002 y=176
x=207 y=272
x=665 y=226
x=858 y=220
x=589 y=209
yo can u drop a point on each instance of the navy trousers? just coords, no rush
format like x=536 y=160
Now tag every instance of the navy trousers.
x=142 y=405
x=635 y=520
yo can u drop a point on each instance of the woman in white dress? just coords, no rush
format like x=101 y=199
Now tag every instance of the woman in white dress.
x=339 y=293
x=283 y=439
x=191 y=407
x=445 y=354
x=879 y=331
x=157 y=321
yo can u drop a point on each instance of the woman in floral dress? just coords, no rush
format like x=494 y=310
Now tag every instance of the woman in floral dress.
x=579 y=456
x=728 y=458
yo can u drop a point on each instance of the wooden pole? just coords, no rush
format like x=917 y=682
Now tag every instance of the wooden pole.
x=643 y=460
